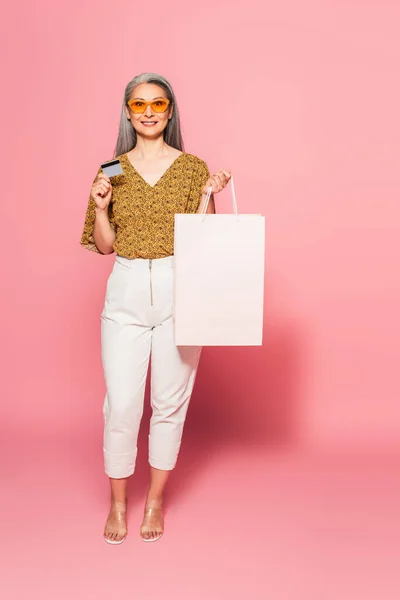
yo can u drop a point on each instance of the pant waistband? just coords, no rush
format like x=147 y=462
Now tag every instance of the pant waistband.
x=131 y=262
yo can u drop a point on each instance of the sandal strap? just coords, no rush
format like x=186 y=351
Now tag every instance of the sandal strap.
x=150 y=510
x=120 y=514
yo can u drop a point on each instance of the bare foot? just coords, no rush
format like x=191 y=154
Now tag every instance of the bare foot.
x=115 y=530
x=152 y=526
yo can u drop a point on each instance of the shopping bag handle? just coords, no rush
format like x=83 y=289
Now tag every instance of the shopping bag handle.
x=234 y=203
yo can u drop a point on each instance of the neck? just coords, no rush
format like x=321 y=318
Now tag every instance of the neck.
x=149 y=149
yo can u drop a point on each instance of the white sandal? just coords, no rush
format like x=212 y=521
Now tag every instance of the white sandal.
x=148 y=514
x=119 y=517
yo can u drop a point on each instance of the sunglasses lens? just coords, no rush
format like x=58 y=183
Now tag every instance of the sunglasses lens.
x=137 y=106
x=160 y=106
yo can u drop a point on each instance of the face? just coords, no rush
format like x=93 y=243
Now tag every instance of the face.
x=149 y=123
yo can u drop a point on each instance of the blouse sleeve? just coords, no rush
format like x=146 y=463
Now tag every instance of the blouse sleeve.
x=87 y=239
x=200 y=176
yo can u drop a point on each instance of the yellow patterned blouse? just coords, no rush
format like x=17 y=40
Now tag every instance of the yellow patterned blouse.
x=142 y=215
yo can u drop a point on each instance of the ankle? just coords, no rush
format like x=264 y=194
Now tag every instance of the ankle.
x=154 y=500
x=118 y=505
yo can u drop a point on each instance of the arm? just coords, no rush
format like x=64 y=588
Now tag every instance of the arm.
x=103 y=234
x=211 y=204
x=99 y=231
x=217 y=181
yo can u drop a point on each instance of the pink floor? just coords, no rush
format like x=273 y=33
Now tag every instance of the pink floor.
x=243 y=520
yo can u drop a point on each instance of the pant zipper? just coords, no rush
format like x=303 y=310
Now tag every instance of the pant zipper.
x=151 y=283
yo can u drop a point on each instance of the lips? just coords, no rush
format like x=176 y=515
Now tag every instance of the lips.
x=149 y=123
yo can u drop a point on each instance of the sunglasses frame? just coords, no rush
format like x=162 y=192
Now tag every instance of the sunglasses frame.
x=146 y=104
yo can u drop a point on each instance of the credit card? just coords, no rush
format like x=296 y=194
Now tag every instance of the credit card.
x=112 y=167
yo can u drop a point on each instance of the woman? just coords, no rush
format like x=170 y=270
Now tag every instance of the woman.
x=133 y=216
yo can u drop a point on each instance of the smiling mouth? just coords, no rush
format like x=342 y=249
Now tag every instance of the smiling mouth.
x=149 y=123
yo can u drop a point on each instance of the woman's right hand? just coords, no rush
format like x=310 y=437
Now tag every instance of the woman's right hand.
x=101 y=191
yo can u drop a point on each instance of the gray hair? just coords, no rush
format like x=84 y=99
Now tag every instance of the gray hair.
x=127 y=135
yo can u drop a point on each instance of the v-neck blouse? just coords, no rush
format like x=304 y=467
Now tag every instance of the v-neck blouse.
x=143 y=215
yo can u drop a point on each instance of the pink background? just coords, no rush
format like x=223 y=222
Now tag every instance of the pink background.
x=300 y=100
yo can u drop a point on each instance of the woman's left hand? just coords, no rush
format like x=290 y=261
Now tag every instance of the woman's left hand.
x=217 y=181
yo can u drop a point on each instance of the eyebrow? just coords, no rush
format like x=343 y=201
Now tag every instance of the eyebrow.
x=158 y=98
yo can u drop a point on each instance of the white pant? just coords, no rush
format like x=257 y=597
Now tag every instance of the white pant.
x=136 y=321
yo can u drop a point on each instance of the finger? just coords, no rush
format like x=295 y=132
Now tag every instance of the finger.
x=214 y=185
x=103 y=176
x=223 y=178
x=216 y=178
x=226 y=179
x=99 y=183
x=209 y=184
x=219 y=183
x=101 y=190
x=105 y=187
x=102 y=182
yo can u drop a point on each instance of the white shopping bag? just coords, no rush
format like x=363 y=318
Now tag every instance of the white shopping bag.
x=219 y=278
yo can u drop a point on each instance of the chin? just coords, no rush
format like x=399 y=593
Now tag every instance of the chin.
x=153 y=134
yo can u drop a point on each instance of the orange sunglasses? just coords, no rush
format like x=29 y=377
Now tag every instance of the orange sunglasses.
x=138 y=106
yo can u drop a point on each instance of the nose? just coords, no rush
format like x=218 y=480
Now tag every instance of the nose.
x=149 y=111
